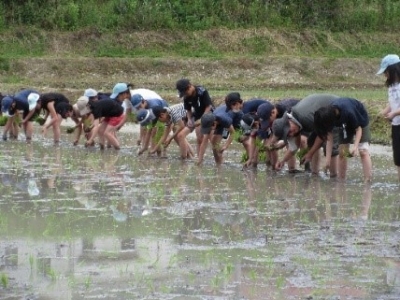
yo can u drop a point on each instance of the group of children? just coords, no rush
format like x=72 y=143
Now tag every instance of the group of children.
x=298 y=126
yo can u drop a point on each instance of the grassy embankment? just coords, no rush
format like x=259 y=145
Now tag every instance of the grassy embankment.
x=261 y=62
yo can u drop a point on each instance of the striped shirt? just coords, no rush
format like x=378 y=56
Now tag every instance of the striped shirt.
x=177 y=112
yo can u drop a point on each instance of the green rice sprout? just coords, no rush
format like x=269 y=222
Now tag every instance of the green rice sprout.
x=70 y=130
x=40 y=120
x=262 y=153
x=237 y=135
x=347 y=153
x=131 y=117
x=301 y=153
x=3 y=120
x=4 y=280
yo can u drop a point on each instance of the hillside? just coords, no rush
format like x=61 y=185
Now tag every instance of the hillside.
x=221 y=59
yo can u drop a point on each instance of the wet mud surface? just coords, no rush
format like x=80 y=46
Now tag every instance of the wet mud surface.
x=79 y=223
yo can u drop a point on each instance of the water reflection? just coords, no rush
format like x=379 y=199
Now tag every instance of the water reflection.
x=107 y=224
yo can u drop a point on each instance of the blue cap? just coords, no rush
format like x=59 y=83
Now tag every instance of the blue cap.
x=118 y=89
x=145 y=117
x=6 y=103
x=264 y=113
x=207 y=122
x=387 y=61
x=136 y=100
x=90 y=93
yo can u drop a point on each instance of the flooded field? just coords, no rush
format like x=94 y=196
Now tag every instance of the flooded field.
x=79 y=223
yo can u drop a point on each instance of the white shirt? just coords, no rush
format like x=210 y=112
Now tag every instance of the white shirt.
x=146 y=95
x=394 y=101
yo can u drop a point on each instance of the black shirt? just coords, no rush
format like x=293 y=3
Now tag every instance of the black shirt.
x=50 y=97
x=198 y=103
x=106 y=108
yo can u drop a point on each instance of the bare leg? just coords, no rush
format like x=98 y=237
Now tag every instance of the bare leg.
x=342 y=165
x=8 y=127
x=181 y=139
x=28 y=128
x=398 y=173
x=109 y=134
x=315 y=162
x=333 y=169
x=199 y=138
x=292 y=163
x=101 y=134
x=366 y=165
x=216 y=143
x=56 y=129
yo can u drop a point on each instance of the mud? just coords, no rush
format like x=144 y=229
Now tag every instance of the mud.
x=78 y=223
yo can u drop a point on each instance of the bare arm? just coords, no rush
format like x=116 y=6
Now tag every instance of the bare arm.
x=229 y=139
x=202 y=149
x=146 y=140
x=95 y=131
x=315 y=147
x=357 y=139
x=52 y=112
x=289 y=154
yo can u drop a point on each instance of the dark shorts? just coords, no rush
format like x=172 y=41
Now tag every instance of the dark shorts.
x=219 y=130
x=396 y=144
x=33 y=117
x=365 y=136
x=264 y=134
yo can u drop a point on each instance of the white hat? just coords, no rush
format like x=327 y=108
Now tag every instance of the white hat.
x=90 y=93
x=32 y=100
x=82 y=104
x=387 y=61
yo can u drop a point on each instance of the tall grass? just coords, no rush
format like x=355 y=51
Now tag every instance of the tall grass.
x=105 y=15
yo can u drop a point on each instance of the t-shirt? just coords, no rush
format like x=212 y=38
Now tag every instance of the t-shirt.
x=177 y=112
x=146 y=95
x=198 y=103
x=235 y=116
x=304 y=111
x=285 y=105
x=352 y=114
x=105 y=108
x=224 y=121
x=52 y=97
x=23 y=95
x=21 y=101
x=151 y=103
x=251 y=105
x=394 y=101
x=103 y=96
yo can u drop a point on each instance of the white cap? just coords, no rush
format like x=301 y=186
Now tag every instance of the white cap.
x=33 y=98
x=82 y=104
x=90 y=93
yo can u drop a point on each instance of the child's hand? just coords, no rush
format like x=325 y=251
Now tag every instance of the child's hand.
x=354 y=152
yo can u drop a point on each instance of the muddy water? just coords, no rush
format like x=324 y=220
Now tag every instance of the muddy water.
x=84 y=224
